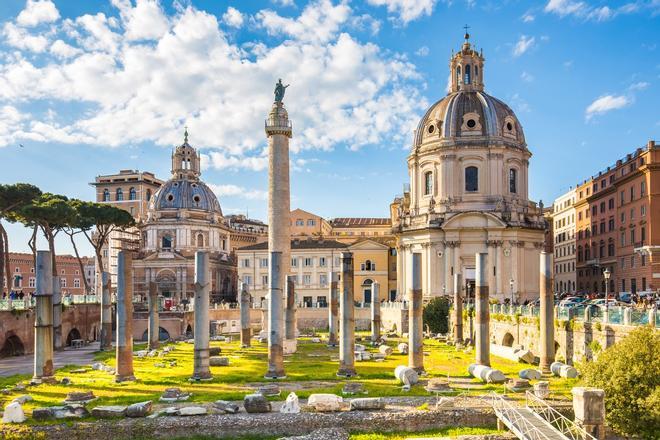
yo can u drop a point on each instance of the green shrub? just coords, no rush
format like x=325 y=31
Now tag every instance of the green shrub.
x=628 y=372
x=436 y=315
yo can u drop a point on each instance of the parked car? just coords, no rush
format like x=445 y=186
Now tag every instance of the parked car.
x=602 y=301
x=572 y=301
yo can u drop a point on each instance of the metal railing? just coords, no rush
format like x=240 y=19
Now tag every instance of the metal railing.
x=515 y=419
x=565 y=426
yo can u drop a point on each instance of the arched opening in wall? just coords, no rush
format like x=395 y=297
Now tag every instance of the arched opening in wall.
x=189 y=331
x=366 y=289
x=132 y=194
x=13 y=346
x=471 y=179
x=467 y=74
x=507 y=341
x=72 y=336
x=200 y=240
x=163 y=335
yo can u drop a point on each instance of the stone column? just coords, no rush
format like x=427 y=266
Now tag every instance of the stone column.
x=482 y=339
x=375 y=311
x=347 y=321
x=589 y=409
x=449 y=257
x=153 y=328
x=333 y=309
x=246 y=330
x=290 y=313
x=124 y=344
x=57 y=313
x=546 y=314
x=458 y=308
x=415 y=326
x=399 y=270
x=43 y=322
x=201 y=370
x=275 y=319
x=106 y=312
x=498 y=290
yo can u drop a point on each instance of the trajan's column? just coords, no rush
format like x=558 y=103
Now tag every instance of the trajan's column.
x=278 y=130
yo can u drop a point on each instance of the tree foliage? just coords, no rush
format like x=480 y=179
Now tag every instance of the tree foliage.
x=628 y=372
x=436 y=315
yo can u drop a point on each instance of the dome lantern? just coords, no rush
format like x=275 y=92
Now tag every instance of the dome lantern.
x=185 y=161
x=466 y=67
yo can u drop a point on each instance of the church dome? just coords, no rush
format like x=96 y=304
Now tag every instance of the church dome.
x=178 y=194
x=472 y=116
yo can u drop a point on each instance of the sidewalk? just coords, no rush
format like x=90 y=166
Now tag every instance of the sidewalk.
x=25 y=364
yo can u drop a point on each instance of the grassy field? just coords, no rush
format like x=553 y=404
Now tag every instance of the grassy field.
x=311 y=370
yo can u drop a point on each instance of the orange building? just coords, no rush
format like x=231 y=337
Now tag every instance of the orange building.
x=72 y=281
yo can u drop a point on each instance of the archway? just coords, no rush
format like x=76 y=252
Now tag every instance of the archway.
x=507 y=341
x=189 y=331
x=13 y=346
x=72 y=336
x=366 y=290
x=163 y=335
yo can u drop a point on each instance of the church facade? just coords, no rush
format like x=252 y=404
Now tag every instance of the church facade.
x=468 y=193
x=184 y=216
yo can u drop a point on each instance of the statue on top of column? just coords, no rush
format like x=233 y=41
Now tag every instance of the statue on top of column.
x=280 y=89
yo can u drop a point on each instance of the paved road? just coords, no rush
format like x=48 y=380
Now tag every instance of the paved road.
x=25 y=364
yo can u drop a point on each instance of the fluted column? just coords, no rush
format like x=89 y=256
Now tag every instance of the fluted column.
x=153 y=329
x=124 y=345
x=415 y=330
x=347 y=321
x=482 y=347
x=106 y=312
x=43 y=321
x=546 y=315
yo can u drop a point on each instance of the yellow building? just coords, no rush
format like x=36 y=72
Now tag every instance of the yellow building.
x=306 y=224
x=370 y=263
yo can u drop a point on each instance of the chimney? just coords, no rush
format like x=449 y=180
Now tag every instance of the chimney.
x=651 y=144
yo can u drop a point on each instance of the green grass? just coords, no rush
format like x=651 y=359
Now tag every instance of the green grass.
x=445 y=432
x=310 y=365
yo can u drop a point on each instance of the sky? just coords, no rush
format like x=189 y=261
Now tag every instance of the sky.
x=89 y=88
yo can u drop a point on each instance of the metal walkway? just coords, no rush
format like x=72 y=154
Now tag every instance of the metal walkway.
x=537 y=420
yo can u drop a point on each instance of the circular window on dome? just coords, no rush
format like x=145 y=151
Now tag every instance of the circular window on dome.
x=170 y=198
x=509 y=126
x=431 y=128
x=194 y=185
x=471 y=123
x=176 y=183
x=196 y=199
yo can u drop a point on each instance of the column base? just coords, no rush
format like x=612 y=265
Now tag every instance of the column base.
x=346 y=372
x=275 y=375
x=246 y=334
x=203 y=377
x=420 y=370
x=153 y=346
x=125 y=378
x=44 y=379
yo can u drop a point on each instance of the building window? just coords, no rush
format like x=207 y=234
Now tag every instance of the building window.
x=308 y=262
x=323 y=280
x=167 y=242
x=132 y=194
x=32 y=282
x=513 y=181
x=311 y=222
x=200 y=240
x=428 y=183
x=632 y=237
x=632 y=193
x=76 y=283
x=610 y=250
x=643 y=234
x=322 y=262
x=642 y=189
x=623 y=238
x=120 y=195
x=610 y=203
x=264 y=280
x=247 y=280
x=471 y=179
x=246 y=262
x=263 y=262
x=642 y=210
x=106 y=195
x=622 y=196
x=294 y=262
x=611 y=224
x=467 y=74
x=62 y=282
x=148 y=195
x=307 y=279
x=300 y=222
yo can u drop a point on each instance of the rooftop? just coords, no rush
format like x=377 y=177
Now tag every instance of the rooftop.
x=308 y=243
x=359 y=221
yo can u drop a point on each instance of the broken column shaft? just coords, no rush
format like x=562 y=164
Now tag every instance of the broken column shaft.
x=458 y=308
x=275 y=319
x=415 y=329
x=246 y=331
x=546 y=314
x=124 y=344
x=201 y=370
x=482 y=347
x=290 y=312
x=153 y=328
x=347 y=318
x=375 y=311
x=43 y=322
x=333 y=309
x=106 y=313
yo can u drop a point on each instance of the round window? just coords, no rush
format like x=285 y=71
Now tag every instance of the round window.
x=431 y=128
x=196 y=199
x=170 y=197
x=194 y=185
x=509 y=126
x=176 y=183
x=471 y=123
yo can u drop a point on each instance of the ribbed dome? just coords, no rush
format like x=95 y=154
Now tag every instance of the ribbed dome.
x=185 y=194
x=470 y=116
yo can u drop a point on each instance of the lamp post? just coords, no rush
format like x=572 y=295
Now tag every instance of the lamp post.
x=511 y=285
x=607 y=274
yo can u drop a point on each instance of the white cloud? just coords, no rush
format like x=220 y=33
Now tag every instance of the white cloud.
x=605 y=104
x=585 y=11
x=238 y=191
x=284 y=2
x=144 y=21
x=20 y=38
x=344 y=92
x=37 y=12
x=526 y=76
x=422 y=51
x=640 y=85
x=528 y=17
x=407 y=10
x=233 y=17
x=565 y=7
x=10 y=124
x=523 y=44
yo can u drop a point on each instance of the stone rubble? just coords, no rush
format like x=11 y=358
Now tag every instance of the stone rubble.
x=291 y=405
x=13 y=413
x=353 y=388
x=322 y=434
x=269 y=390
x=256 y=403
x=325 y=402
x=141 y=409
x=193 y=411
x=218 y=361
x=530 y=374
x=402 y=348
x=174 y=395
x=226 y=407
x=106 y=412
x=81 y=397
x=367 y=403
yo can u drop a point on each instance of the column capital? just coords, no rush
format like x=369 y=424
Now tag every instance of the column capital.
x=494 y=243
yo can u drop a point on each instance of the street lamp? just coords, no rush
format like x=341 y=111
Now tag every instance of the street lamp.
x=607 y=274
x=511 y=285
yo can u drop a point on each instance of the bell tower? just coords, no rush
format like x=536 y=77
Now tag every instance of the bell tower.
x=467 y=68
x=185 y=161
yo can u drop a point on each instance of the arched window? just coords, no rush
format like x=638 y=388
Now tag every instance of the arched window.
x=200 y=240
x=368 y=265
x=579 y=253
x=471 y=179
x=148 y=195
x=120 y=195
x=106 y=195
x=476 y=71
x=513 y=181
x=167 y=242
x=132 y=195
x=428 y=183
x=458 y=74
x=587 y=253
x=467 y=74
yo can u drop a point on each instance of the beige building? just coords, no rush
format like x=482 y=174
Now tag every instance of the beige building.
x=130 y=190
x=468 y=193
x=306 y=224
x=311 y=261
x=563 y=220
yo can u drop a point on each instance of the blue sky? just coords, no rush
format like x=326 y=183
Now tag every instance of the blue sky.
x=96 y=86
